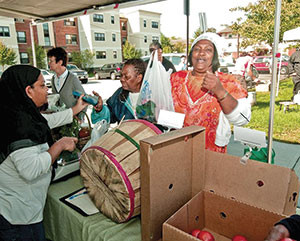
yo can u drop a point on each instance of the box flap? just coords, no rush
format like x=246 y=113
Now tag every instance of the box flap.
x=167 y=163
x=263 y=185
x=173 y=135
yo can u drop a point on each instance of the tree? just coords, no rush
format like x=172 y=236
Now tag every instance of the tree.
x=129 y=51
x=259 y=24
x=179 y=47
x=7 y=56
x=40 y=56
x=166 y=44
x=83 y=59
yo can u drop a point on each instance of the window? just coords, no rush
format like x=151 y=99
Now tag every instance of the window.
x=112 y=19
x=24 y=58
x=99 y=37
x=70 y=60
x=69 y=22
x=123 y=26
x=154 y=24
x=4 y=31
x=19 y=20
x=145 y=39
x=100 y=55
x=145 y=23
x=115 y=54
x=21 y=37
x=155 y=39
x=98 y=18
x=113 y=37
x=71 y=39
x=124 y=39
x=46 y=34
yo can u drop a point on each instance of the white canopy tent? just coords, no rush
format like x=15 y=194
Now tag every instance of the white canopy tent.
x=52 y=10
x=292 y=35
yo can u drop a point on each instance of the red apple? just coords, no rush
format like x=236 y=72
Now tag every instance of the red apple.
x=206 y=236
x=195 y=232
x=239 y=238
x=84 y=132
x=287 y=239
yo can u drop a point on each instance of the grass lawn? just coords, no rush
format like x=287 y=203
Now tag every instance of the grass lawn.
x=286 y=125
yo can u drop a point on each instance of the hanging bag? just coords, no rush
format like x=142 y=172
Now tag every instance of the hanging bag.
x=155 y=93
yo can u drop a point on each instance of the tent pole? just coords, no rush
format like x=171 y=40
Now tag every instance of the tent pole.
x=32 y=44
x=273 y=82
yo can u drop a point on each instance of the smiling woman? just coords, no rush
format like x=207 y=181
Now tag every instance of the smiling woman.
x=208 y=98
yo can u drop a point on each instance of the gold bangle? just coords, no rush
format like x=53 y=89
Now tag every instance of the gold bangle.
x=225 y=95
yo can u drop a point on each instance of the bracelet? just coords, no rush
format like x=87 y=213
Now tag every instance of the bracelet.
x=221 y=99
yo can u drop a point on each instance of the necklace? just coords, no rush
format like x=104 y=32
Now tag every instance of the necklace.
x=203 y=99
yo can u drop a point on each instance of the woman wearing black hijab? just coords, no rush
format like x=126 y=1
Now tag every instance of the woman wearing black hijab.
x=27 y=151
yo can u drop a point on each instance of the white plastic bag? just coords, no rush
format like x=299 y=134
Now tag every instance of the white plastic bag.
x=296 y=98
x=99 y=129
x=155 y=93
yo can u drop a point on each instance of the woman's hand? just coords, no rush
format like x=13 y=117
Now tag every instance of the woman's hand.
x=80 y=105
x=63 y=144
x=212 y=83
x=99 y=105
x=277 y=233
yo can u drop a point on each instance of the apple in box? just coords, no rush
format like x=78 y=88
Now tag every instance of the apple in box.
x=239 y=238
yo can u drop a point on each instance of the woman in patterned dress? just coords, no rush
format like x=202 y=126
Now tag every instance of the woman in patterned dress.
x=209 y=98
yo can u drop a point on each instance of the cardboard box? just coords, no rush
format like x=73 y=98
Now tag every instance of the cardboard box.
x=175 y=167
x=222 y=217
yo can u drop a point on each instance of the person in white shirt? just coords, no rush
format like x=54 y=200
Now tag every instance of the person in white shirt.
x=243 y=69
x=27 y=151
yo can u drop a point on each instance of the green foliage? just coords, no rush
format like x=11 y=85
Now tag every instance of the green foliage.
x=7 y=56
x=172 y=45
x=71 y=130
x=83 y=59
x=286 y=125
x=259 y=24
x=166 y=44
x=40 y=55
x=130 y=52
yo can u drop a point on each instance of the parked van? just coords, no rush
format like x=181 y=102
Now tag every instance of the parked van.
x=174 y=58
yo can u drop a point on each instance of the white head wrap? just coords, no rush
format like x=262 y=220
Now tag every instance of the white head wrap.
x=212 y=37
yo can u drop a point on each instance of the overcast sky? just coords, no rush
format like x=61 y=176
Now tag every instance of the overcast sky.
x=173 y=21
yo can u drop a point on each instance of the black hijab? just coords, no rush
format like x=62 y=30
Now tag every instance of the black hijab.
x=20 y=117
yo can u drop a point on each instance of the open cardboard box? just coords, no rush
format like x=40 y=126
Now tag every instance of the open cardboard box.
x=175 y=167
x=222 y=217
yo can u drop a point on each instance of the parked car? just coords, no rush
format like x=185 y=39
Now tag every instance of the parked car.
x=225 y=65
x=111 y=71
x=263 y=64
x=175 y=58
x=81 y=74
x=47 y=77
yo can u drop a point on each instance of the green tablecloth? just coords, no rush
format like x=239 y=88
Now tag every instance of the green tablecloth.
x=62 y=223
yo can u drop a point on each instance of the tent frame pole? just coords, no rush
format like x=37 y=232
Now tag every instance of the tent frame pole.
x=273 y=82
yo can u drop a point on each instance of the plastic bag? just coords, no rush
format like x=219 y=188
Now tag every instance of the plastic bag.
x=296 y=98
x=99 y=129
x=155 y=93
